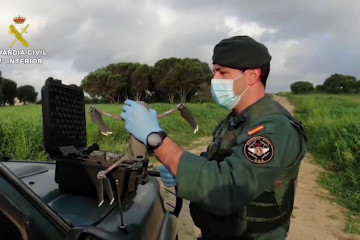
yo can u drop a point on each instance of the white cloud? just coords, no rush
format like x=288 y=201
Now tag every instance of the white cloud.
x=166 y=16
x=252 y=29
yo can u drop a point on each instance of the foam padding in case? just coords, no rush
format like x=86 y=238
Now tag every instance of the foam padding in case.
x=63 y=109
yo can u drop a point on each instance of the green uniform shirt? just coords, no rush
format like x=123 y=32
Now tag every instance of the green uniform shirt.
x=262 y=152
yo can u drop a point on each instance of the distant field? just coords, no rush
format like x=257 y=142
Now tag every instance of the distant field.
x=333 y=123
x=21 y=133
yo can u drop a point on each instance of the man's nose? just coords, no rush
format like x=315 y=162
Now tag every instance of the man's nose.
x=217 y=75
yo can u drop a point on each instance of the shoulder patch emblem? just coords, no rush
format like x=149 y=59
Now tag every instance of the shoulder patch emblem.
x=259 y=150
x=256 y=130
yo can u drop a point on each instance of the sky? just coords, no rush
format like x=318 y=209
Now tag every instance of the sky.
x=308 y=40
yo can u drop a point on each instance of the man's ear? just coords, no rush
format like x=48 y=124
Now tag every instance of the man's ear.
x=253 y=76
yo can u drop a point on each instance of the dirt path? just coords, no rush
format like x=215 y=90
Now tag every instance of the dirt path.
x=314 y=216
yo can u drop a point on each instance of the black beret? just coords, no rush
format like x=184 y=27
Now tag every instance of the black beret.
x=240 y=52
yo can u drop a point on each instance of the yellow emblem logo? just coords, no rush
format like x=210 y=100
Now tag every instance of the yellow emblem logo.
x=17 y=34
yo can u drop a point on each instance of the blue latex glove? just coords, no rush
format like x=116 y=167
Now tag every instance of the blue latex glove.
x=139 y=120
x=167 y=177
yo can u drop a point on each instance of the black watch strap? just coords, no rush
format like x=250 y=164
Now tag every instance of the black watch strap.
x=150 y=148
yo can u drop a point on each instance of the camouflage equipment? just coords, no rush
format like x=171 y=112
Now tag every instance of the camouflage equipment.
x=73 y=206
x=103 y=182
x=97 y=119
x=137 y=150
x=184 y=112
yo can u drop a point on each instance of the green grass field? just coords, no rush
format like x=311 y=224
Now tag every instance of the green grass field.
x=333 y=124
x=21 y=131
x=332 y=121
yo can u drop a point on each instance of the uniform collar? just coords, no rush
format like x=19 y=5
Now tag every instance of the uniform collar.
x=252 y=111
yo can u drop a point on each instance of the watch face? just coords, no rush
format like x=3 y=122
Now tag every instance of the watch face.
x=154 y=139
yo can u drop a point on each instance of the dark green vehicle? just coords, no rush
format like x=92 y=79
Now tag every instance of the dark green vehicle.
x=84 y=193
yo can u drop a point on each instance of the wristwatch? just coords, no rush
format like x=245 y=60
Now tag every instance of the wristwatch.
x=154 y=140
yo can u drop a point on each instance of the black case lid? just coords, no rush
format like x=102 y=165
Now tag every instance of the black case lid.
x=64 y=119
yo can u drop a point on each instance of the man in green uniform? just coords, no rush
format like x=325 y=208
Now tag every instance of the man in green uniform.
x=243 y=187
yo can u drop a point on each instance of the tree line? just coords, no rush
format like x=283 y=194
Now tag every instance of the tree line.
x=170 y=79
x=336 y=83
x=9 y=91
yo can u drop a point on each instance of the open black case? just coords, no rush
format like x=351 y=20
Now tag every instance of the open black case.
x=65 y=140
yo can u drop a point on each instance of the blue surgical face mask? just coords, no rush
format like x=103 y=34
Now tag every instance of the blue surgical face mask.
x=223 y=92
